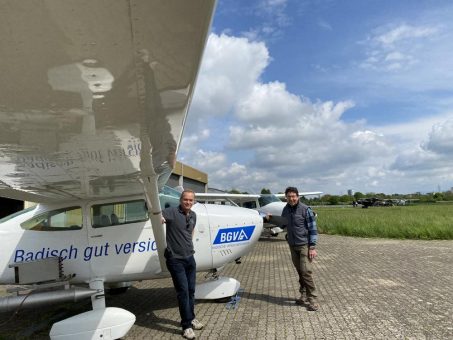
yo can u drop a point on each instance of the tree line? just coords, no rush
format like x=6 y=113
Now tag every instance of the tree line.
x=327 y=199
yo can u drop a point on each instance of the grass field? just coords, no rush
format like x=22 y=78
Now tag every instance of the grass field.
x=428 y=222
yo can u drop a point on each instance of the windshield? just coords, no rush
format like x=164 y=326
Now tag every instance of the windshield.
x=268 y=198
x=169 y=197
x=166 y=190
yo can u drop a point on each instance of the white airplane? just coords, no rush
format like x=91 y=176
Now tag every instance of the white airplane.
x=93 y=101
x=265 y=204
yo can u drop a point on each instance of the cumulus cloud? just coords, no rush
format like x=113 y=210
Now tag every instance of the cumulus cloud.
x=231 y=67
x=430 y=159
x=441 y=138
x=205 y=160
x=270 y=103
x=251 y=134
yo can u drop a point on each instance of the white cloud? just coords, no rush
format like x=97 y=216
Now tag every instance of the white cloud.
x=256 y=134
x=231 y=66
x=324 y=25
x=441 y=138
x=270 y=103
x=273 y=3
x=207 y=161
x=394 y=56
x=272 y=20
x=404 y=32
x=397 y=48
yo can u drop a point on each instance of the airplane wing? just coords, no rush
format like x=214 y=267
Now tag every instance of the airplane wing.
x=306 y=193
x=236 y=198
x=94 y=94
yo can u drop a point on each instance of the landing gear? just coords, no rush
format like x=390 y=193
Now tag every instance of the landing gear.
x=216 y=287
x=118 y=288
x=99 y=323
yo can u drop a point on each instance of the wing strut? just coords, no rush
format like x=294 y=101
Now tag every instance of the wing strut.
x=152 y=197
x=151 y=188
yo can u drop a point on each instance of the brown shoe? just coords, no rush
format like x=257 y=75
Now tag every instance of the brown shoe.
x=313 y=306
x=301 y=300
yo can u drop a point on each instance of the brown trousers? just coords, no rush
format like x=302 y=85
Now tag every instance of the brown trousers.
x=299 y=255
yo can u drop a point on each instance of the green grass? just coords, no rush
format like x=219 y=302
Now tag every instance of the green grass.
x=428 y=222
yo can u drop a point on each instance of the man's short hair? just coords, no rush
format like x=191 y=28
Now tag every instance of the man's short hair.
x=291 y=189
x=187 y=191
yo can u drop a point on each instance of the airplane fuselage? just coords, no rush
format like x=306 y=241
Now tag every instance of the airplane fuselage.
x=113 y=239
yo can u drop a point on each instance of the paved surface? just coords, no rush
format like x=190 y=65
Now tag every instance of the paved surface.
x=368 y=288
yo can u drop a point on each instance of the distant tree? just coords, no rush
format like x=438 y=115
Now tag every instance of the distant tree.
x=438 y=196
x=345 y=199
x=448 y=196
x=358 y=195
x=234 y=191
x=265 y=191
x=333 y=200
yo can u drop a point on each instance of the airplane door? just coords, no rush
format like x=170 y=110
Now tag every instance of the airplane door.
x=202 y=238
x=122 y=246
x=60 y=231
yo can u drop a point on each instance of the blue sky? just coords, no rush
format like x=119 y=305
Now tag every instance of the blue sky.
x=325 y=95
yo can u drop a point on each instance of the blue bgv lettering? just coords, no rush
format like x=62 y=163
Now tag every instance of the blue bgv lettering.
x=230 y=235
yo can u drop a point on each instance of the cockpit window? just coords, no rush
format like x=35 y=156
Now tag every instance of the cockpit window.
x=55 y=220
x=118 y=213
x=266 y=199
x=166 y=190
x=249 y=205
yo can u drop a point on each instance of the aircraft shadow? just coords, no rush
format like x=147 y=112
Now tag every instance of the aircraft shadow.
x=277 y=300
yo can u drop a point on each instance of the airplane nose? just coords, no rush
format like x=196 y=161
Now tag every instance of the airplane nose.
x=233 y=232
x=224 y=218
x=258 y=222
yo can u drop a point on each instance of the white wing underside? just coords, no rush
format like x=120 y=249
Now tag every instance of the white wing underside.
x=237 y=198
x=94 y=94
x=304 y=193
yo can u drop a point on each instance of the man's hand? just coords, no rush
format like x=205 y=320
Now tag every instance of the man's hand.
x=268 y=216
x=312 y=253
x=163 y=221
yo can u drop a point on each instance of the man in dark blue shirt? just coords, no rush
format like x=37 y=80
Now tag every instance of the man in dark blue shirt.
x=302 y=236
x=180 y=262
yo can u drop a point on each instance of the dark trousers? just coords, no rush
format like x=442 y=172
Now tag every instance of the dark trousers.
x=299 y=255
x=183 y=274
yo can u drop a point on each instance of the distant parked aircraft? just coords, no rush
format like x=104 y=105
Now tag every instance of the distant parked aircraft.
x=378 y=202
x=266 y=204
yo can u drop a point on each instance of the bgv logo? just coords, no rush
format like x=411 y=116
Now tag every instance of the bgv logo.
x=230 y=235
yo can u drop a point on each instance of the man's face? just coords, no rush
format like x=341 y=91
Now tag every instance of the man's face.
x=292 y=198
x=187 y=201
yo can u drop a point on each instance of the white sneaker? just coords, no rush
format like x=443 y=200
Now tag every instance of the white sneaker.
x=188 y=333
x=197 y=325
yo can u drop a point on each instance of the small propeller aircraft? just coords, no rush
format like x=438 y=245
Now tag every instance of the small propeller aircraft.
x=266 y=204
x=93 y=100
x=384 y=202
